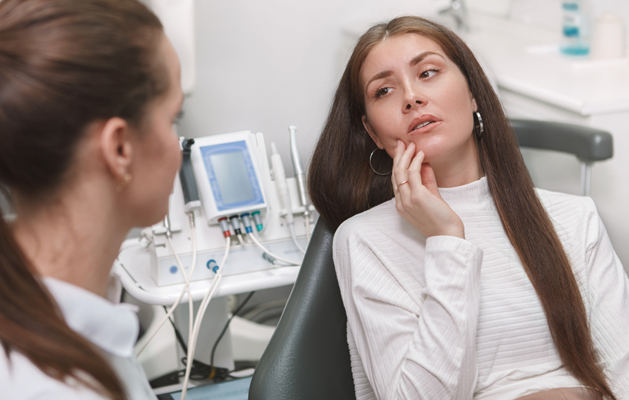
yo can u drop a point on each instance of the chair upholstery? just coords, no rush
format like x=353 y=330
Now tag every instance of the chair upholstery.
x=308 y=356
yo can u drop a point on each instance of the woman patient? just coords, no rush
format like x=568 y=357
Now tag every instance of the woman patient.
x=460 y=280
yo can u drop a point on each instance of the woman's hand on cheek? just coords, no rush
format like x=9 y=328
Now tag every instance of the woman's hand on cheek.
x=418 y=200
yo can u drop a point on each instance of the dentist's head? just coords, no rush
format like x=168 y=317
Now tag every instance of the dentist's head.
x=70 y=70
x=89 y=91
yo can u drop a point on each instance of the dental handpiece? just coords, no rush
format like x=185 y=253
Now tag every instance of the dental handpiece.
x=299 y=172
x=167 y=226
x=280 y=181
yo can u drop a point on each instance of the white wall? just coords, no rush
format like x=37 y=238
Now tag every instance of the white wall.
x=262 y=66
x=548 y=13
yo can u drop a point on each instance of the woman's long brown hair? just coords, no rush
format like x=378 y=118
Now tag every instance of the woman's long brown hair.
x=342 y=184
x=63 y=65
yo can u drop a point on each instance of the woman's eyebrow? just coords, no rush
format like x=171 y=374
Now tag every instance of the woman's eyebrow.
x=377 y=76
x=418 y=58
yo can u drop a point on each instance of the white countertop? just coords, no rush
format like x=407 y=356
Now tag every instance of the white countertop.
x=525 y=59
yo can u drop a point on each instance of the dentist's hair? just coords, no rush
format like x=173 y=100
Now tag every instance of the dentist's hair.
x=63 y=65
x=342 y=184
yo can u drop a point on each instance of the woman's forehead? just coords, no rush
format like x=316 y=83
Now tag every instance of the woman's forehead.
x=393 y=50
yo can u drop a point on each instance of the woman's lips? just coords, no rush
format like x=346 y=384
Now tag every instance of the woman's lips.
x=423 y=124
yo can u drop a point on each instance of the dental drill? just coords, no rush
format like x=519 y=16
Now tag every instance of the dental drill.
x=300 y=176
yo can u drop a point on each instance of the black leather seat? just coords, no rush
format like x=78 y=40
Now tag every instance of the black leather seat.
x=308 y=357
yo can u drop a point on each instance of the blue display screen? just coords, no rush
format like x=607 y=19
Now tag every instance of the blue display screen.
x=232 y=176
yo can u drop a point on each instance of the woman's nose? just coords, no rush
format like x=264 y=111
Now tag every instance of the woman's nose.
x=412 y=99
x=410 y=103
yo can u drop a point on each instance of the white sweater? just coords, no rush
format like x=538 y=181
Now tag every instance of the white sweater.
x=446 y=318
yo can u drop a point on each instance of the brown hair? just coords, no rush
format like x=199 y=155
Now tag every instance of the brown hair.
x=63 y=65
x=345 y=146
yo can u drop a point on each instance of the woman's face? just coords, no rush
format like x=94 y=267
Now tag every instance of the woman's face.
x=414 y=93
x=157 y=153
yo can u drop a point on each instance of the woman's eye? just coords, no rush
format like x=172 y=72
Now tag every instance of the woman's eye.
x=428 y=73
x=382 y=92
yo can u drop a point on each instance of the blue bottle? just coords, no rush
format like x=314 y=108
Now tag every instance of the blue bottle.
x=575 y=28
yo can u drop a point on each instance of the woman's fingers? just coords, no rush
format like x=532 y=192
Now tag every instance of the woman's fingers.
x=414 y=170
x=429 y=180
x=404 y=161
x=399 y=150
x=417 y=197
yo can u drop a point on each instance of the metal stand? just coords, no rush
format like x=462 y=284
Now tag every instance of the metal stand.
x=586 y=177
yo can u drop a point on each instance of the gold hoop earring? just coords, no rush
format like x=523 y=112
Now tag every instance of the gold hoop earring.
x=371 y=165
x=478 y=125
x=123 y=184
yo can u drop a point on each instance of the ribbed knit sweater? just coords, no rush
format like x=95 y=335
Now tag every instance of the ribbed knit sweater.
x=447 y=318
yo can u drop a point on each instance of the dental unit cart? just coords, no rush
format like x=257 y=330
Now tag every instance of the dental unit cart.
x=224 y=206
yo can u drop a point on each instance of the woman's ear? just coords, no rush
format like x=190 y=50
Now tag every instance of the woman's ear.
x=371 y=132
x=115 y=147
x=474 y=105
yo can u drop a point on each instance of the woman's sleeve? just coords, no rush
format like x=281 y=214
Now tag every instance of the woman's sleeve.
x=416 y=332
x=608 y=292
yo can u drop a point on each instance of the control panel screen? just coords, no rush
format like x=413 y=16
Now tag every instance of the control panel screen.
x=231 y=174
x=232 y=178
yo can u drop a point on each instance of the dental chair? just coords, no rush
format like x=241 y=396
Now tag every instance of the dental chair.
x=308 y=356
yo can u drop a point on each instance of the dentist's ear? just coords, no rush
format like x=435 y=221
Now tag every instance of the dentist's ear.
x=115 y=147
x=372 y=132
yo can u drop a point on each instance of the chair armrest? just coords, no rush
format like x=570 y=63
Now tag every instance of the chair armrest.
x=587 y=144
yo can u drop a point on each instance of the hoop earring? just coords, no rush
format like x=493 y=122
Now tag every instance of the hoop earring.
x=478 y=125
x=371 y=165
x=125 y=181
